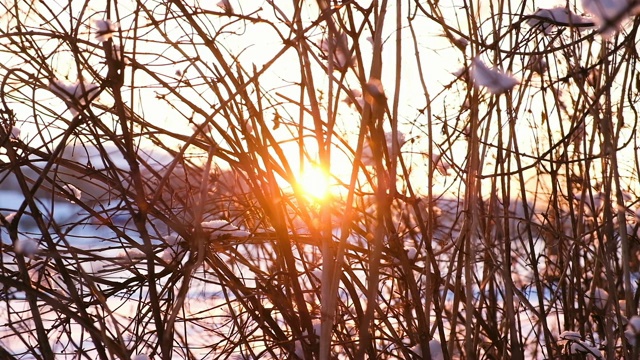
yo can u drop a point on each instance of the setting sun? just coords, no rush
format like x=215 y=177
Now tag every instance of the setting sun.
x=314 y=182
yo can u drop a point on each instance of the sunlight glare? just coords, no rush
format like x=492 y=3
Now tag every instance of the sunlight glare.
x=314 y=183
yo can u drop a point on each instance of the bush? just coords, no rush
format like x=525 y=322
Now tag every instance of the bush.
x=341 y=179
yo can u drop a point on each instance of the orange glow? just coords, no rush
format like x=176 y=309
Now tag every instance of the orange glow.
x=314 y=182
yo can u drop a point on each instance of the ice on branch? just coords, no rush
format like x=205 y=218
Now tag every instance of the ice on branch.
x=223 y=229
x=27 y=246
x=76 y=95
x=336 y=50
x=496 y=81
x=104 y=29
x=609 y=15
x=548 y=19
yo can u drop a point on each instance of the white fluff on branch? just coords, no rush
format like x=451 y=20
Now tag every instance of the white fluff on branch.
x=104 y=29
x=548 y=19
x=494 y=80
x=27 y=246
x=610 y=15
x=223 y=228
x=76 y=95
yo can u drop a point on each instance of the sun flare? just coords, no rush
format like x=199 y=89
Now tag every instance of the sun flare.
x=314 y=182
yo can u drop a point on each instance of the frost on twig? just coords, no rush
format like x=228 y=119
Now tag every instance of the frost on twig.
x=496 y=81
x=76 y=95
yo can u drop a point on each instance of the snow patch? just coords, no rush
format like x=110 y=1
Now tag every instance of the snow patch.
x=494 y=80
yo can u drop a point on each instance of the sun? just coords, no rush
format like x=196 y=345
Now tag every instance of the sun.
x=314 y=183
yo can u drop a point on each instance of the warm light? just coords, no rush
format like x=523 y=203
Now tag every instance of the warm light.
x=314 y=182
